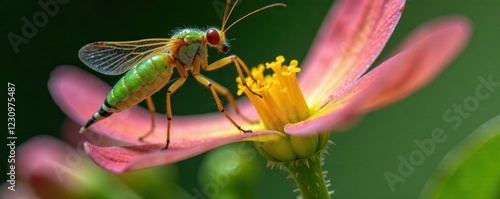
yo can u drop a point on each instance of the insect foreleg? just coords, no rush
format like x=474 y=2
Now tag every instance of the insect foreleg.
x=215 y=88
x=239 y=65
x=202 y=61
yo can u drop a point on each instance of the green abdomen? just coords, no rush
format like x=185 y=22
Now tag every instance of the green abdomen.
x=140 y=82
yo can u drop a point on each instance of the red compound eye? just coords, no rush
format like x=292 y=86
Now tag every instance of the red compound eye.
x=213 y=36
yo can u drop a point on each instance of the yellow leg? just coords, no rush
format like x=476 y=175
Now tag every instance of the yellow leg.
x=152 y=110
x=178 y=83
x=214 y=88
x=224 y=91
x=238 y=63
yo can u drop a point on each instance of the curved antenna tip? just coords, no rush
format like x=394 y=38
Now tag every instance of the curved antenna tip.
x=253 y=12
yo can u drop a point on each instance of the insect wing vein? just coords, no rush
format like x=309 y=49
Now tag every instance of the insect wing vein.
x=114 y=58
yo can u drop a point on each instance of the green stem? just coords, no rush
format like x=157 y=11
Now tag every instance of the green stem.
x=309 y=179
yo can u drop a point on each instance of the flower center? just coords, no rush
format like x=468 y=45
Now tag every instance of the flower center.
x=282 y=101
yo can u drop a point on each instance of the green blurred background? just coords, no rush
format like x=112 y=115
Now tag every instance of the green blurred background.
x=361 y=156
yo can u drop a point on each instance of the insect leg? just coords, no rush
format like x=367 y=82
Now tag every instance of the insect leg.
x=239 y=65
x=214 y=88
x=178 y=83
x=152 y=110
x=224 y=91
x=202 y=61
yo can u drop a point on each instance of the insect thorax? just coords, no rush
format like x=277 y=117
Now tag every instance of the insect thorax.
x=189 y=35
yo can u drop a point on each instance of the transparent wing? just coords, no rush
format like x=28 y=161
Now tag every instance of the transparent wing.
x=114 y=58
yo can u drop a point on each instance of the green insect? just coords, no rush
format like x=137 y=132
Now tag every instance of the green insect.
x=151 y=62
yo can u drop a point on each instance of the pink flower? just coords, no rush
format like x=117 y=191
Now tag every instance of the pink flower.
x=51 y=169
x=330 y=93
x=48 y=168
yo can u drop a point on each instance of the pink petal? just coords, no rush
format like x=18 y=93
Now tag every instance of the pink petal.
x=76 y=140
x=36 y=156
x=351 y=37
x=80 y=95
x=338 y=112
x=431 y=49
x=50 y=167
x=121 y=159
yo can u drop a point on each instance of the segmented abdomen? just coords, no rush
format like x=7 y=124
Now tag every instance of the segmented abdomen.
x=140 y=82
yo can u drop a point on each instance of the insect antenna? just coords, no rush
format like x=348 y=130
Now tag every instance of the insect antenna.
x=251 y=13
x=227 y=12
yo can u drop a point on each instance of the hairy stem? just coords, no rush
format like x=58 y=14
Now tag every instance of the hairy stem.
x=309 y=178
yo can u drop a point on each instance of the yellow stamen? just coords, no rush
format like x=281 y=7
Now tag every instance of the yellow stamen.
x=282 y=101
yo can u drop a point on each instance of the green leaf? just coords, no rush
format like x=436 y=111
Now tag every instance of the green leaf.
x=471 y=169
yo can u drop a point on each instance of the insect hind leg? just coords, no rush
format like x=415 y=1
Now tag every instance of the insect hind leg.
x=152 y=110
x=177 y=83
